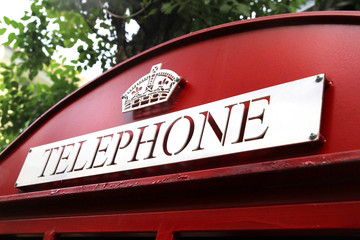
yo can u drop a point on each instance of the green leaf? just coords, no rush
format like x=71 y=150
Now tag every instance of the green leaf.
x=55 y=65
x=21 y=27
x=7 y=20
x=80 y=48
x=225 y=8
x=11 y=38
x=2 y=31
x=14 y=24
x=33 y=73
x=23 y=80
x=24 y=18
x=152 y=12
x=243 y=9
x=69 y=43
x=58 y=71
x=167 y=8
x=15 y=55
x=38 y=87
x=16 y=44
x=104 y=25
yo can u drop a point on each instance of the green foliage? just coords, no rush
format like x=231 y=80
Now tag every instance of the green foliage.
x=96 y=30
x=22 y=100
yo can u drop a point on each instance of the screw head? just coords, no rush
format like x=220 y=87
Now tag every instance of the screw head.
x=313 y=136
x=318 y=79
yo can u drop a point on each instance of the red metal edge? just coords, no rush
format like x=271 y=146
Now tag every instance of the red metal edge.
x=310 y=218
x=350 y=17
x=309 y=162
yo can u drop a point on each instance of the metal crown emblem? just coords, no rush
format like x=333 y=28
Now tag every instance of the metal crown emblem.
x=153 y=88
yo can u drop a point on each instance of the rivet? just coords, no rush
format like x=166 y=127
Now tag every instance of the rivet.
x=16 y=184
x=123 y=96
x=319 y=79
x=177 y=79
x=30 y=150
x=313 y=136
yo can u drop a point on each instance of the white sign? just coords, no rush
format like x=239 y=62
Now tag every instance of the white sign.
x=276 y=116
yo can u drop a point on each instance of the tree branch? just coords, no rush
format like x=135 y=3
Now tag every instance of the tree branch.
x=92 y=27
x=124 y=16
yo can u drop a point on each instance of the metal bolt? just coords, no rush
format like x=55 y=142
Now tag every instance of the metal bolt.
x=319 y=79
x=313 y=136
x=177 y=79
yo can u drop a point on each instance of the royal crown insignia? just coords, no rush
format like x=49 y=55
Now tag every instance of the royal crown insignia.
x=153 y=88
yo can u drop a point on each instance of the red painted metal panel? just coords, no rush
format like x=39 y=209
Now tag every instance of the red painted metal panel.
x=316 y=184
x=325 y=216
x=347 y=161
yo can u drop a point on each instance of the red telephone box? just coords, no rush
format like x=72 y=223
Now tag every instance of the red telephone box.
x=247 y=130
